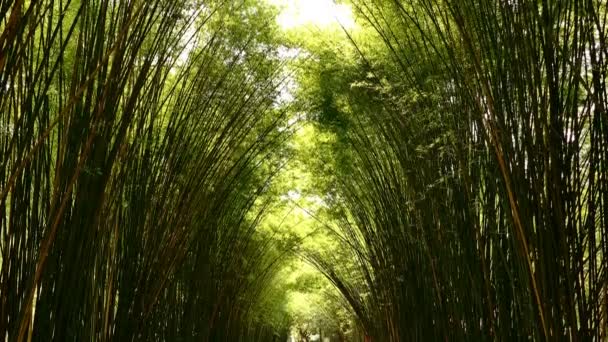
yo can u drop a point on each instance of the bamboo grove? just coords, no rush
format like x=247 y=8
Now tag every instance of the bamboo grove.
x=466 y=187
x=476 y=198
x=131 y=135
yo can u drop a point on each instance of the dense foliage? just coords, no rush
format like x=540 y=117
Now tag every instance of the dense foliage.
x=186 y=170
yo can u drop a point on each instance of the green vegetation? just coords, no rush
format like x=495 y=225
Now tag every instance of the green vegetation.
x=199 y=170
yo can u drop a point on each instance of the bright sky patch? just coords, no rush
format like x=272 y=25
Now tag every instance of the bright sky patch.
x=320 y=13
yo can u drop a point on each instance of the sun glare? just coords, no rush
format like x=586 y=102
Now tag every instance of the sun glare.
x=319 y=13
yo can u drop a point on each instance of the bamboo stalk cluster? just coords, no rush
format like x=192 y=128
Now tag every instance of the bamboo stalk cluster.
x=131 y=138
x=477 y=201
